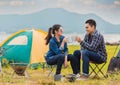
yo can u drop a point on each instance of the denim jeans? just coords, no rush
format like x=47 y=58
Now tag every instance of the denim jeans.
x=59 y=60
x=87 y=56
x=77 y=55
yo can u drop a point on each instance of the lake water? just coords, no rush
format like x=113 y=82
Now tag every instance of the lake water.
x=108 y=37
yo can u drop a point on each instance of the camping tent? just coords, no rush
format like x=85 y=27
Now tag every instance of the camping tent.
x=25 y=46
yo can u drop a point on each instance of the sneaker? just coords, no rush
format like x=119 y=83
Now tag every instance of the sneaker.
x=76 y=76
x=71 y=77
x=83 y=77
x=58 y=77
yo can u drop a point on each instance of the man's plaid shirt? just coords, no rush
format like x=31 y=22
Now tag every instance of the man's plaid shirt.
x=94 y=42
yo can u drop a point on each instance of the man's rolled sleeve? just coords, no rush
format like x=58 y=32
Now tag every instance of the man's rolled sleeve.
x=91 y=46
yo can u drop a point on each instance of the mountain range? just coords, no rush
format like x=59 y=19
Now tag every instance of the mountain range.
x=72 y=22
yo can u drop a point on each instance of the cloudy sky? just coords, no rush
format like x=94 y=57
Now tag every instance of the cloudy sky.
x=107 y=9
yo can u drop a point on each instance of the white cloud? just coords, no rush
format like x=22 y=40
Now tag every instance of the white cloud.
x=117 y=2
x=3 y=3
x=16 y=3
x=64 y=1
x=32 y=3
x=89 y=2
x=106 y=6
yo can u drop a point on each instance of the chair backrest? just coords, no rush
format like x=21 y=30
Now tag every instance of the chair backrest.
x=118 y=55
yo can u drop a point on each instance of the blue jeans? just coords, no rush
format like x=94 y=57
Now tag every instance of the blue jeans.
x=59 y=60
x=87 y=56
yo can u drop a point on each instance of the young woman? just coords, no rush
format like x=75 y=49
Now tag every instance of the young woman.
x=58 y=51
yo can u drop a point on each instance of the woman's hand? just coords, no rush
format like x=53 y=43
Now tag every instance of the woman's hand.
x=65 y=62
x=64 y=40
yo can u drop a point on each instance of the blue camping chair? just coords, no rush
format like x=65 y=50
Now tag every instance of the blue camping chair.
x=50 y=67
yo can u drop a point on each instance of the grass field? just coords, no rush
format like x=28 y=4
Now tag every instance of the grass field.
x=39 y=76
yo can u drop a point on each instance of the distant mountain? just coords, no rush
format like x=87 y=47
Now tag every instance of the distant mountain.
x=71 y=22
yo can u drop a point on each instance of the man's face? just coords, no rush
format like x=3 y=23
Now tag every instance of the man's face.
x=89 y=29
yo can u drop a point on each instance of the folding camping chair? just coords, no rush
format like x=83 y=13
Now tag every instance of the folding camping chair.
x=1 y=67
x=118 y=55
x=19 y=69
x=1 y=61
x=97 y=68
x=50 y=67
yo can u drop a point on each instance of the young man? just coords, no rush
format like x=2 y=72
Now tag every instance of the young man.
x=92 y=48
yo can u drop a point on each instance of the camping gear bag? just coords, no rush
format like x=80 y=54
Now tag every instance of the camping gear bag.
x=114 y=65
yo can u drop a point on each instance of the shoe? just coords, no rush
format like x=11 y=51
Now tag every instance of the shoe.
x=71 y=77
x=59 y=77
x=83 y=77
x=76 y=76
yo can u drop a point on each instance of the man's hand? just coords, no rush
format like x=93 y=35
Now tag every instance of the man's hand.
x=78 y=39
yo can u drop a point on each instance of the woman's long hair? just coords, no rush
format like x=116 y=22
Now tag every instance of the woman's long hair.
x=51 y=31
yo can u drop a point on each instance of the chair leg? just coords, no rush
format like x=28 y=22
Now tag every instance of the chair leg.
x=51 y=70
x=1 y=71
x=100 y=69
x=93 y=71
x=12 y=74
x=27 y=74
x=43 y=66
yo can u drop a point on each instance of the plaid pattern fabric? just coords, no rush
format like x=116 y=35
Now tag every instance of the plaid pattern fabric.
x=94 y=42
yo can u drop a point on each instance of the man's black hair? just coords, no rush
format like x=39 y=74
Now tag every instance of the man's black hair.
x=91 y=22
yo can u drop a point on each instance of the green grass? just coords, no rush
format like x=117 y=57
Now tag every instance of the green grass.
x=39 y=76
